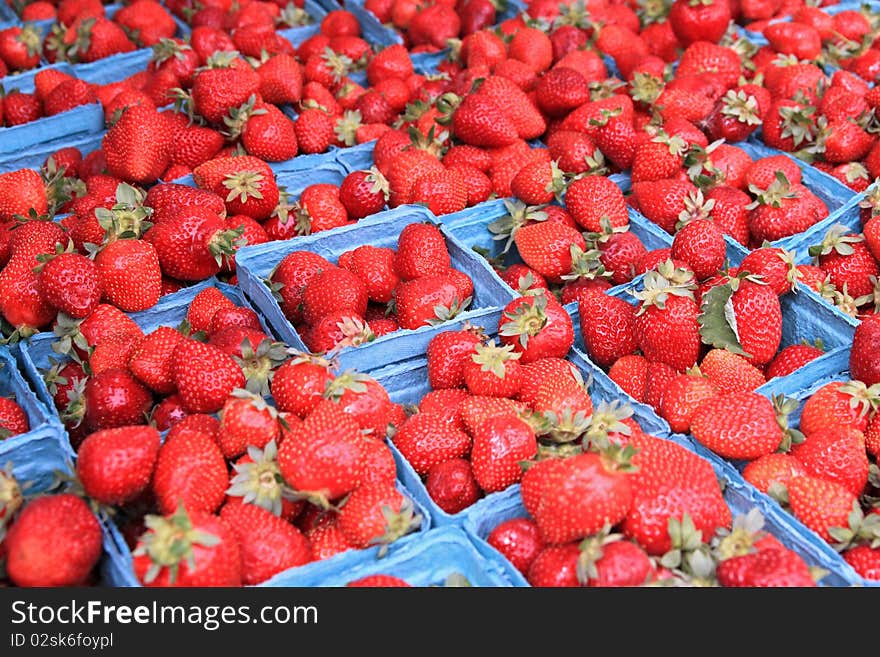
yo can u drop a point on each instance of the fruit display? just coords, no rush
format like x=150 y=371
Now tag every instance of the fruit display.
x=391 y=293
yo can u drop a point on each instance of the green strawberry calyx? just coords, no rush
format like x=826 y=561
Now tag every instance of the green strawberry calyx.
x=586 y=265
x=696 y=206
x=741 y=106
x=348 y=381
x=445 y=313
x=493 y=357
x=397 y=524
x=591 y=552
x=347 y=127
x=169 y=542
x=527 y=320
x=689 y=557
x=839 y=240
x=718 y=320
x=860 y=529
x=258 y=365
x=658 y=289
x=607 y=419
x=259 y=481
x=784 y=408
x=518 y=215
x=740 y=539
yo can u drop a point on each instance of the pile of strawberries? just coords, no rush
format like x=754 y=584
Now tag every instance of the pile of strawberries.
x=226 y=458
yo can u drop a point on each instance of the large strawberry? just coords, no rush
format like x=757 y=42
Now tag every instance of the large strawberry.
x=116 y=465
x=500 y=445
x=538 y=327
x=204 y=376
x=136 y=147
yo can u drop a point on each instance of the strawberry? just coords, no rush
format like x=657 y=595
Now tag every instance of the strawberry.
x=835 y=456
x=13 y=419
x=479 y=120
x=256 y=479
x=683 y=396
x=607 y=327
x=20 y=108
x=442 y=192
x=607 y=561
x=499 y=445
x=190 y=470
x=770 y=469
x=537 y=326
x=290 y=278
x=555 y=566
x=280 y=80
x=519 y=540
x=21 y=191
x=426 y=440
x=54 y=541
x=267 y=133
x=546 y=247
x=332 y=290
x=630 y=373
x=268 y=544
x=130 y=274
x=594 y=198
x=20 y=48
x=137 y=145
x=663 y=201
x=215 y=91
x=188 y=548
x=191 y=245
x=364 y=193
x=730 y=372
x=493 y=371
x=446 y=354
x=315 y=130
x=431 y=299
x=376 y=267
x=247 y=184
x=737 y=426
x=519 y=107
x=570 y=506
x=116 y=465
x=322 y=458
x=151 y=359
x=820 y=504
x=791 y=359
x=846 y=260
x=404 y=169
x=700 y=243
x=204 y=376
x=863 y=363
x=452 y=485
x=362 y=397
x=838 y=404
x=421 y=251
x=377 y=514
x=298 y=385
x=561 y=90
x=765 y=568
x=204 y=306
x=776 y=266
x=113 y=398
x=66 y=96
x=70 y=283
x=246 y=420
x=667 y=316
x=659 y=158
x=865 y=560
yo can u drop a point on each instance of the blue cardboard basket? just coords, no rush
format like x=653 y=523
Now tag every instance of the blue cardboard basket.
x=256 y=263
x=115 y=67
x=117 y=569
x=800 y=386
x=355 y=158
x=407 y=383
x=46 y=435
x=32 y=155
x=170 y=311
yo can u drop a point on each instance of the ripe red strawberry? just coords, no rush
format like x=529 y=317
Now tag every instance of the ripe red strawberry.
x=114 y=398
x=770 y=469
x=631 y=374
x=837 y=456
x=246 y=183
x=538 y=327
x=594 y=198
x=54 y=541
x=446 y=354
x=571 y=506
x=479 y=120
x=606 y=561
x=20 y=48
x=23 y=190
x=66 y=96
x=246 y=420
x=865 y=560
x=299 y=384
x=427 y=439
x=730 y=372
x=216 y=91
x=137 y=145
x=607 y=327
x=315 y=130
x=268 y=544
x=555 y=566
x=322 y=458
x=561 y=90
x=256 y=479
x=519 y=540
x=203 y=551
x=204 y=376
x=700 y=243
x=820 y=504
x=116 y=465
x=546 y=247
x=431 y=299
x=70 y=283
x=838 y=404
x=738 y=426
x=13 y=419
x=682 y=398
x=268 y=133
x=500 y=444
x=191 y=245
x=190 y=470
x=364 y=193
x=331 y=290
x=20 y=108
x=847 y=260
x=376 y=514
x=130 y=274
x=667 y=316
x=662 y=201
x=791 y=359
x=442 y=192
x=291 y=276
x=863 y=362
x=493 y=371
x=421 y=251
x=452 y=486
x=765 y=568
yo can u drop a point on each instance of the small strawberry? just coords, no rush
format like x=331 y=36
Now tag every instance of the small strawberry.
x=452 y=485
x=204 y=376
x=500 y=444
x=378 y=514
x=519 y=540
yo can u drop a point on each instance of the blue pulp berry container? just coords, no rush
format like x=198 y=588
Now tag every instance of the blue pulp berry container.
x=32 y=155
x=114 y=68
x=256 y=263
x=422 y=560
x=117 y=569
x=488 y=513
x=355 y=158
x=800 y=385
x=171 y=310
x=85 y=120
x=46 y=438
x=407 y=383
